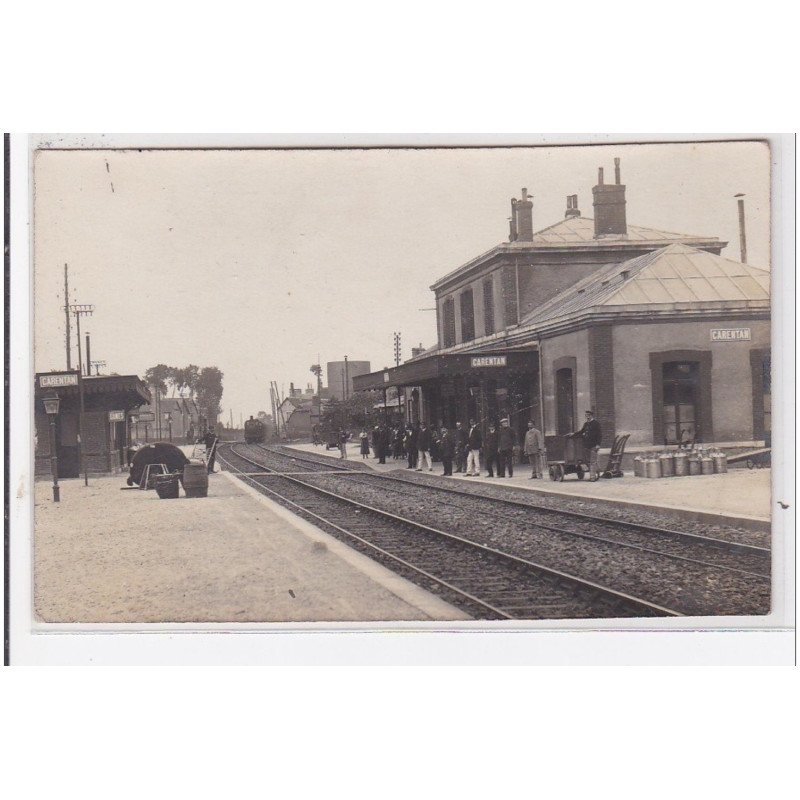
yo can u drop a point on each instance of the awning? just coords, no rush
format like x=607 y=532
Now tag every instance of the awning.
x=446 y=365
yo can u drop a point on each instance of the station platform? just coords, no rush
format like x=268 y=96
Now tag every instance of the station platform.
x=739 y=496
x=106 y=555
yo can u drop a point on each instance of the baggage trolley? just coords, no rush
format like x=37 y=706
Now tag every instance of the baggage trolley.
x=574 y=462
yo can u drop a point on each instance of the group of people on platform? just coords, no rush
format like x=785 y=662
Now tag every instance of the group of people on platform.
x=465 y=448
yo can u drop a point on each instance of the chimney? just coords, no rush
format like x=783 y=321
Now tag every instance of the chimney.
x=291 y=390
x=609 y=205
x=524 y=218
x=742 y=235
x=572 y=206
x=512 y=225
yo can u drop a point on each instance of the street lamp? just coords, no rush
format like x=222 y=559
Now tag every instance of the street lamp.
x=51 y=409
x=168 y=420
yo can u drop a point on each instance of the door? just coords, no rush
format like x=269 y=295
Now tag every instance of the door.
x=565 y=402
x=680 y=387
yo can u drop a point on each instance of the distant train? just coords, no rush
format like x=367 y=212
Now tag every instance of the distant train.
x=255 y=432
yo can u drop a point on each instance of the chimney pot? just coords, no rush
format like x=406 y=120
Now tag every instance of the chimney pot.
x=523 y=217
x=617 y=172
x=600 y=176
x=572 y=206
x=609 y=206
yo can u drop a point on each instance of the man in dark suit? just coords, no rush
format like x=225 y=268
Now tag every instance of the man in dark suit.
x=591 y=433
x=460 y=443
x=411 y=445
x=506 y=439
x=474 y=443
x=490 y=451
x=446 y=450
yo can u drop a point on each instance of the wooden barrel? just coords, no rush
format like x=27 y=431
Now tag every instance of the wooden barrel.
x=195 y=479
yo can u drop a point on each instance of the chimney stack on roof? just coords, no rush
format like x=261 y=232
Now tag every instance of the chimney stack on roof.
x=572 y=206
x=512 y=225
x=609 y=205
x=523 y=218
x=742 y=233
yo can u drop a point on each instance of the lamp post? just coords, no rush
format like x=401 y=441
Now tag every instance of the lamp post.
x=81 y=310
x=51 y=409
x=168 y=420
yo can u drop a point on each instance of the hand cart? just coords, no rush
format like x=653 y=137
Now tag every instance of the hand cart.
x=574 y=460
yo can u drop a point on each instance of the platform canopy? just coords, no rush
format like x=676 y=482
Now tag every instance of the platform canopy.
x=433 y=366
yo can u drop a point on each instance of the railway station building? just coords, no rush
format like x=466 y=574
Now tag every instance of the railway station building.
x=660 y=335
x=105 y=429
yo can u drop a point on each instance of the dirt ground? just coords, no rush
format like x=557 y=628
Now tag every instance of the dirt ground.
x=107 y=555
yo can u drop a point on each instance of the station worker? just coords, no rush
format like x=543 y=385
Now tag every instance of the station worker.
x=424 y=441
x=474 y=443
x=446 y=451
x=410 y=441
x=460 y=443
x=490 y=451
x=506 y=439
x=210 y=440
x=591 y=434
x=533 y=448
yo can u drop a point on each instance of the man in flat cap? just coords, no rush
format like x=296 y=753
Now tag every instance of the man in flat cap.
x=591 y=435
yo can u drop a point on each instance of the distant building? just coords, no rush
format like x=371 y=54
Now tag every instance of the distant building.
x=295 y=417
x=341 y=374
x=178 y=415
x=110 y=401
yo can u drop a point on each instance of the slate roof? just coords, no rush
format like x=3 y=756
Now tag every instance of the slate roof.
x=579 y=232
x=676 y=274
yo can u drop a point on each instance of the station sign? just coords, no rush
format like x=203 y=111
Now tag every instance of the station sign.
x=147 y=416
x=58 y=379
x=730 y=334
x=488 y=361
x=116 y=416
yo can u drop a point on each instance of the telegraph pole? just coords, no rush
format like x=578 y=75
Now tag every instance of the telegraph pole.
x=397 y=349
x=81 y=310
x=66 y=315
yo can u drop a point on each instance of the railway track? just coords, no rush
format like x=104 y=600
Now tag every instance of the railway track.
x=488 y=582
x=684 y=546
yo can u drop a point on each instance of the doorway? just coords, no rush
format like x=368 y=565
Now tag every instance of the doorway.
x=565 y=401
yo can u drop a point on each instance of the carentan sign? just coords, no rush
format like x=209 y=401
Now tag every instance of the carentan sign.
x=488 y=361
x=730 y=334
x=58 y=379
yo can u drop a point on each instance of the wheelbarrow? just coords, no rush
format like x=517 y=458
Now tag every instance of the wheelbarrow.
x=574 y=462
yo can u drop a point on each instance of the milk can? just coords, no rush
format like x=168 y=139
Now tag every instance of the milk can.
x=720 y=461
x=638 y=466
x=652 y=467
x=681 y=463
x=667 y=465
x=706 y=464
x=695 y=467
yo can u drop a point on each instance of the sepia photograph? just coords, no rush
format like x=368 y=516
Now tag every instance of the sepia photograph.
x=332 y=385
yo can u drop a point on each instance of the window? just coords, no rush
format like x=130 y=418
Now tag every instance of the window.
x=448 y=323
x=467 y=316
x=680 y=389
x=766 y=388
x=488 y=306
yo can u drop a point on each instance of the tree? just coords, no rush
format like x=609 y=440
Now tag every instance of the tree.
x=358 y=411
x=158 y=376
x=209 y=391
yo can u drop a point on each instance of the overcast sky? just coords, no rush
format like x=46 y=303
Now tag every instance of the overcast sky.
x=258 y=262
